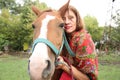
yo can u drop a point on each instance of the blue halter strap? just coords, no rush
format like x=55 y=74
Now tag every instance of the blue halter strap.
x=51 y=45
x=48 y=43
x=68 y=47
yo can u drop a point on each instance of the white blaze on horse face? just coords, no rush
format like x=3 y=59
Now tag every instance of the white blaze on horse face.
x=43 y=31
x=40 y=51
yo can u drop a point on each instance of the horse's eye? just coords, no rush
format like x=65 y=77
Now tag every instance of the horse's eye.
x=33 y=26
x=62 y=25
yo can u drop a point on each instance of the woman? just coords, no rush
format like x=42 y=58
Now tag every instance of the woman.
x=84 y=65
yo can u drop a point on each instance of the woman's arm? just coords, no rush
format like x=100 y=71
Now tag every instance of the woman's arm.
x=78 y=75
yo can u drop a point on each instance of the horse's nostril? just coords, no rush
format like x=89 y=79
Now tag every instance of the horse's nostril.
x=47 y=71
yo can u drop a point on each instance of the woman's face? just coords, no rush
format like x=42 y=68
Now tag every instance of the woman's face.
x=70 y=21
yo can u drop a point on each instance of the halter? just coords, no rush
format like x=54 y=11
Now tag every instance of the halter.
x=48 y=43
x=51 y=45
x=68 y=47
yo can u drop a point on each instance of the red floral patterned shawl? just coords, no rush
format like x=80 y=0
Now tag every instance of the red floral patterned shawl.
x=86 y=59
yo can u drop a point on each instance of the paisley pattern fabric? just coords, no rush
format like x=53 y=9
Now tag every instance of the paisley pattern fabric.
x=86 y=58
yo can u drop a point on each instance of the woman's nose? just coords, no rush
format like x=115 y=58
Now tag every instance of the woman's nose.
x=67 y=21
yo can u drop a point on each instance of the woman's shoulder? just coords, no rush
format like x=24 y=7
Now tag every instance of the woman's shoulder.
x=81 y=33
x=81 y=36
x=85 y=44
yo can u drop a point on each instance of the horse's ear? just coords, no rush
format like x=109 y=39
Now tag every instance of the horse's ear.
x=36 y=10
x=63 y=9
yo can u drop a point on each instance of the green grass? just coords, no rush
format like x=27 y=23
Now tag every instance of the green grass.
x=109 y=67
x=109 y=72
x=15 y=68
x=110 y=58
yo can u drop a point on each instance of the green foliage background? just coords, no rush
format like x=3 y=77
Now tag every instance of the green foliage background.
x=15 y=23
x=16 y=20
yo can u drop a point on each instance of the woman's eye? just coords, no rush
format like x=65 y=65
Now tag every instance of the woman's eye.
x=70 y=17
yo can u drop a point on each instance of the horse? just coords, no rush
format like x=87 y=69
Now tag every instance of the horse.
x=47 y=42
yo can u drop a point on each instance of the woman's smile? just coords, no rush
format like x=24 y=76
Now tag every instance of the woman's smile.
x=67 y=27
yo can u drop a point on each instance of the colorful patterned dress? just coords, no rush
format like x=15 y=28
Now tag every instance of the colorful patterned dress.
x=85 y=60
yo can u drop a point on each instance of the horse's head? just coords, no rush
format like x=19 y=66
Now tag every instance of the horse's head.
x=48 y=30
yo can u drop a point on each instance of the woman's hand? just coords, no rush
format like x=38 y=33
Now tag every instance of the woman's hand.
x=61 y=63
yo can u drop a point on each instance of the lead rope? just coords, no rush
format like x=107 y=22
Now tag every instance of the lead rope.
x=71 y=53
x=69 y=64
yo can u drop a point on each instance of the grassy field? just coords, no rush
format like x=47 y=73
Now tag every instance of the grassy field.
x=109 y=67
x=15 y=68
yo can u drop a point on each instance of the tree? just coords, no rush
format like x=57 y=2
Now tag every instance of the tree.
x=15 y=23
x=9 y=25
x=7 y=4
x=115 y=38
x=92 y=27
